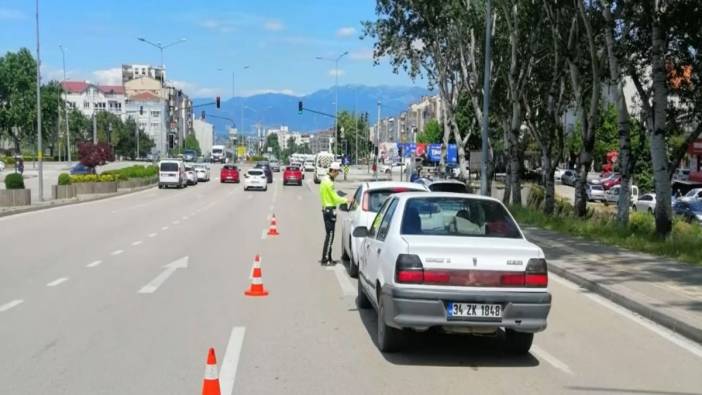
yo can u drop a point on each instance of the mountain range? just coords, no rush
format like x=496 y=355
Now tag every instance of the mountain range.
x=275 y=109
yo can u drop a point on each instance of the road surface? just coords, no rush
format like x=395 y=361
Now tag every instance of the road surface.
x=125 y=296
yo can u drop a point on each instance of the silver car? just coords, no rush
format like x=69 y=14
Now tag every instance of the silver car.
x=595 y=192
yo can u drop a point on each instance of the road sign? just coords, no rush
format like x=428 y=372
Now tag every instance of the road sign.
x=241 y=151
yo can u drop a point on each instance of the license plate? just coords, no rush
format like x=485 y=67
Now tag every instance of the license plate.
x=474 y=310
x=229 y=178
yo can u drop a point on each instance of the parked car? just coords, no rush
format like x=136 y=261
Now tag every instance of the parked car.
x=171 y=173
x=292 y=175
x=681 y=174
x=690 y=210
x=612 y=195
x=569 y=177
x=595 y=192
x=646 y=202
x=202 y=172
x=229 y=173
x=368 y=199
x=611 y=181
x=557 y=174
x=2 y=166
x=255 y=178
x=453 y=262
x=190 y=175
x=448 y=186
x=693 y=194
x=80 y=168
x=275 y=166
x=266 y=170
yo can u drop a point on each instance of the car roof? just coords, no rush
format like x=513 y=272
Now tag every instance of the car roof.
x=375 y=185
x=410 y=195
x=447 y=181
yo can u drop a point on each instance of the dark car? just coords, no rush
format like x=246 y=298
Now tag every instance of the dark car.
x=80 y=168
x=690 y=210
x=266 y=169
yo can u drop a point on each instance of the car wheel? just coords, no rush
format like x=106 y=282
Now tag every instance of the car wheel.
x=345 y=255
x=650 y=210
x=389 y=339
x=633 y=208
x=362 y=301
x=353 y=268
x=246 y=188
x=518 y=342
x=265 y=188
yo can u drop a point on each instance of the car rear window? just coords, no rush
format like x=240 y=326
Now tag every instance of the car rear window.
x=292 y=168
x=448 y=216
x=255 y=172
x=169 y=166
x=596 y=187
x=375 y=198
x=229 y=167
x=448 y=187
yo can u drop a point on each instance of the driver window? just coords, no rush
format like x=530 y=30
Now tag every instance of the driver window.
x=378 y=219
x=356 y=199
x=387 y=218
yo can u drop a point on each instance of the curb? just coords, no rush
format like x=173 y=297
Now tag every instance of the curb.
x=73 y=201
x=676 y=325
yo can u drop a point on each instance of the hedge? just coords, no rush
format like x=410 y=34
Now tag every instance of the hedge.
x=136 y=171
x=14 y=181
x=64 y=179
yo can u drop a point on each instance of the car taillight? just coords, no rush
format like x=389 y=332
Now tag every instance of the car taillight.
x=364 y=206
x=409 y=269
x=512 y=280
x=536 y=273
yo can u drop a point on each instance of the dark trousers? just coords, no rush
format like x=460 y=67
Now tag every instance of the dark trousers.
x=329 y=215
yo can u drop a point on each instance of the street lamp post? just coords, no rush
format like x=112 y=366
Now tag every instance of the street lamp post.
x=39 y=136
x=161 y=47
x=336 y=91
x=65 y=109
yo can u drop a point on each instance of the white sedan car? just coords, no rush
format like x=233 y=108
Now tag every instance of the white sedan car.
x=452 y=262
x=368 y=199
x=647 y=203
x=255 y=178
x=202 y=172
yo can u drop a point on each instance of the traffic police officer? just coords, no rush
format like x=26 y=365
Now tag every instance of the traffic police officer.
x=330 y=200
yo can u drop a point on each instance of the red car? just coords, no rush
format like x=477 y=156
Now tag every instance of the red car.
x=229 y=173
x=612 y=180
x=292 y=175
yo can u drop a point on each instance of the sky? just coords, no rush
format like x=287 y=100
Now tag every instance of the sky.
x=278 y=40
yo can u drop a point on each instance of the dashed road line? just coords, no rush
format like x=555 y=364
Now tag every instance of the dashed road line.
x=227 y=375
x=116 y=252
x=94 y=263
x=11 y=304
x=553 y=361
x=57 y=282
x=164 y=228
x=176 y=222
x=136 y=243
x=185 y=218
x=152 y=235
x=264 y=234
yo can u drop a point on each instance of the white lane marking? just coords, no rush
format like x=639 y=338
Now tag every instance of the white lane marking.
x=136 y=243
x=176 y=222
x=344 y=282
x=553 y=361
x=272 y=207
x=93 y=263
x=661 y=331
x=152 y=235
x=249 y=197
x=264 y=234
x=227 y=375
x=11 y=304
x=57 y=282
x=153 y=285
x=164 y=228
x=185 y=218
x=116 y=252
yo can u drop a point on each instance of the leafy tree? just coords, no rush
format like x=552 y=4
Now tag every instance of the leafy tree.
x=191 y=143
x=272 y=143
x=92 y=155
x=431 y=134
x=18 y=96
x=126 y=140
x=355 y=128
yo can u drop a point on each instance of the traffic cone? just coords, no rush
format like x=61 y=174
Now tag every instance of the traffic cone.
x=273 y=229
x=256 y=288
x=210 y=386
x=256 y=263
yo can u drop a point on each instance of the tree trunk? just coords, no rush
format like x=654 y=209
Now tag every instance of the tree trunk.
x=460 y=146
x=507 y=161
x=514 y=154
x=659 y=149
x=508 y=185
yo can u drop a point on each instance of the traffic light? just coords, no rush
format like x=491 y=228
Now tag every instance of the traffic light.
x=217 y=101
x=299 y=107
x=202 y=116
x=141 y=110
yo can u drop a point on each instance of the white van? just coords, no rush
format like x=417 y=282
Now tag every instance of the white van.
x=322 y=161
x=171 y=173
x=612 y=194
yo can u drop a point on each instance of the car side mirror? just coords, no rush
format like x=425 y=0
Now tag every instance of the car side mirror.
x=360 y=231
x=344 y=207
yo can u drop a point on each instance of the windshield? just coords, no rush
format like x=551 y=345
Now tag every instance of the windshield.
x=448 y=187
x=445 y=216
x=255 y=172
x=216 y=150
x=375 y=198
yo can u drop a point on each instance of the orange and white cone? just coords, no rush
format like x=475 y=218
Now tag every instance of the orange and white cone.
x=273 y=229
x=256 y=288
x=210 y=386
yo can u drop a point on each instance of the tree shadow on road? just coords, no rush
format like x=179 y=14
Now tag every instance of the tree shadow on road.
x=438 y=349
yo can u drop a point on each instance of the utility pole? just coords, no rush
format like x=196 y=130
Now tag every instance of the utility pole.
x=65 y=108
x=136 y=134
x=94 y=123
x=336 y=93
x=486 y=101
x=39 y=136
x=377 y=142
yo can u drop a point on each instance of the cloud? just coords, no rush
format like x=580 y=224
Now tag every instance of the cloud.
x=7 y=14
x=273 y=25
x=111 y=76
x=194 y=90
x=216 y=25
x=345 y=32
x=362 y=54
x=336 y=72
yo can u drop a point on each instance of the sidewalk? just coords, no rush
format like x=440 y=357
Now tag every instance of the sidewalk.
x=663 y=290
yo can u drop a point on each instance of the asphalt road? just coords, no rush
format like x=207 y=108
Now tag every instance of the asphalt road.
x=125 y=295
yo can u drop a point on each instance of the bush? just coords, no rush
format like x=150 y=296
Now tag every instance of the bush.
x=642 y=224
x=84 y=178
x=14 y=181
x=64 y=179
x=106 y=178
x=136 y=171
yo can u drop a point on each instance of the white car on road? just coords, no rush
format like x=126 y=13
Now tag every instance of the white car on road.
x=647 y=203
x=2 y=166
x=368 y=199
x=255 y=178
x=190 y=175
x=202 y=172
x=455 y=263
